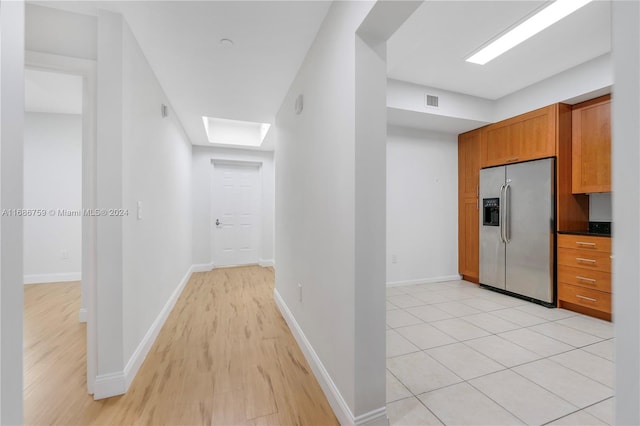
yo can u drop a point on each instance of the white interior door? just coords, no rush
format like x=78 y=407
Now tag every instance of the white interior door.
x=236 y=217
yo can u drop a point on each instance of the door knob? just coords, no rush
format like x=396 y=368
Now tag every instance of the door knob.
x=218 y=223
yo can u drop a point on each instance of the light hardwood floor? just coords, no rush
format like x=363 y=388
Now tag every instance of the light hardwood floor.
x=225 y=356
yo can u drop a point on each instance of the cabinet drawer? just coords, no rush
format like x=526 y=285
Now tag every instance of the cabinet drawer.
x=598 y=260
x=585 y=242
x=593 y=299
x=583 y=277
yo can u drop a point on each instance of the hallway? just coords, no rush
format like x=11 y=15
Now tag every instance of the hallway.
x=225 y=356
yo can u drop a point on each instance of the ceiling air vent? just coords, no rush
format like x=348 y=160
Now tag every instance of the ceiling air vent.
x=431 y=101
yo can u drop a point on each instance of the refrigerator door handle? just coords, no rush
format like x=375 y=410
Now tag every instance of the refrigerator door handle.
x=507 y=214
x=502 y=214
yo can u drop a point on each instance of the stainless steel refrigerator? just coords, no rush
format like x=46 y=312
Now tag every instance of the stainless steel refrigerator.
x=517 y=228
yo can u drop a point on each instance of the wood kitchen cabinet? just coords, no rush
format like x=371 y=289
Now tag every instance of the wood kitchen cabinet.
x=468 y=207
x=591 y=146
x=525 y=137
x=543 y=133
x=584 y=274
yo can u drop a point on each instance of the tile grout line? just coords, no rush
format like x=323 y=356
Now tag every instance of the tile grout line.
x=505 y=368
x=497 y=403
x=579 y=410
x=600 y=402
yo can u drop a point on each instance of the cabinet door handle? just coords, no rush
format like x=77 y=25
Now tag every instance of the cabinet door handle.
x=512 y=159
x=591 y=280
x=586 y=298
x=582 y=259
x=582 y=243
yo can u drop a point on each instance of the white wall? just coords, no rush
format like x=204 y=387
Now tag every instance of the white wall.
x=156 y=170
x=600 y=207
x=315 y=196
x=584 y=78
x=325 y=180
x=593 y=78
x=410 y=96
x=422 y=206
x=202 y=170
x=52 y=181
x=141 y=157
x=61 y=33
x=11 y=134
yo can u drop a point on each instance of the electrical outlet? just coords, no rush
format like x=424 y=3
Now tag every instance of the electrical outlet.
x=65 y=254
x=394 y=258
x=300 y=292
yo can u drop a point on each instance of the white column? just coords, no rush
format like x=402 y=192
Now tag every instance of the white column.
x=626 y=208
x=109 y=299
x=11 y=192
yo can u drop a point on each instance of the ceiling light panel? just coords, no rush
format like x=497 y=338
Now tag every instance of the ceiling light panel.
x=527 y=29
x=222 y=131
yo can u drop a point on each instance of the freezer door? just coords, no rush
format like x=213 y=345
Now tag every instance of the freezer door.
x=529 y=225
x=492 y=247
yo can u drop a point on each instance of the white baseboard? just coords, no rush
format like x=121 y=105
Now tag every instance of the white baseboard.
x=203 y=267
x=425 y=280
x=82 y=316
x=108 y=385
x=139 y=355
x=118 y=383
x=52 y=278
x=266 y=262
x=373 y=418
x=337 y=402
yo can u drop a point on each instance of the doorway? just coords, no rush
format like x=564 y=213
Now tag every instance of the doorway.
x=85 y=71
x=54 y=336
x=235 y=213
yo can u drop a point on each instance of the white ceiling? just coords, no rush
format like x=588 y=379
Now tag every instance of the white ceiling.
x=249 y=80
x=201 y=77
x=52 y=92
x=431 y=47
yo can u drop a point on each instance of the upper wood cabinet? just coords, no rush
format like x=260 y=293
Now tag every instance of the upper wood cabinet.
x=591 y=146
x=468 y=199
x=525 y=137
x=572 y=210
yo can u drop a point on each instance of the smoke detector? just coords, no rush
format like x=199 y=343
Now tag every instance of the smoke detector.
x=226 y=42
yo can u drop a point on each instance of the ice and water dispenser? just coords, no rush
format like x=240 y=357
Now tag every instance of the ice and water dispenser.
x=491 y=211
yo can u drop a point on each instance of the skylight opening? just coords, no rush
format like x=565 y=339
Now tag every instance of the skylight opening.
x=222 y=131
x=527 y=29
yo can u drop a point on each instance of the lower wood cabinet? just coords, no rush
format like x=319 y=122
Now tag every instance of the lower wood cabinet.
x=584 y=274
x=598 y=301
x=468 y=202
x=469 y=245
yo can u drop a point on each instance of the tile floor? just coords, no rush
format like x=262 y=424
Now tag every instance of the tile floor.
x=458 y=354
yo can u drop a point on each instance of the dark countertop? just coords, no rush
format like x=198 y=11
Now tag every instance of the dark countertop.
x=591 y=234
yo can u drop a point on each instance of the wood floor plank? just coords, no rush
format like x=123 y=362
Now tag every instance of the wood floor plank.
x=225 y=356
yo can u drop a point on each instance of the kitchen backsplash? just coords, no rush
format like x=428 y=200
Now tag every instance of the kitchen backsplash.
x=600 y=207
x=600 y=228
